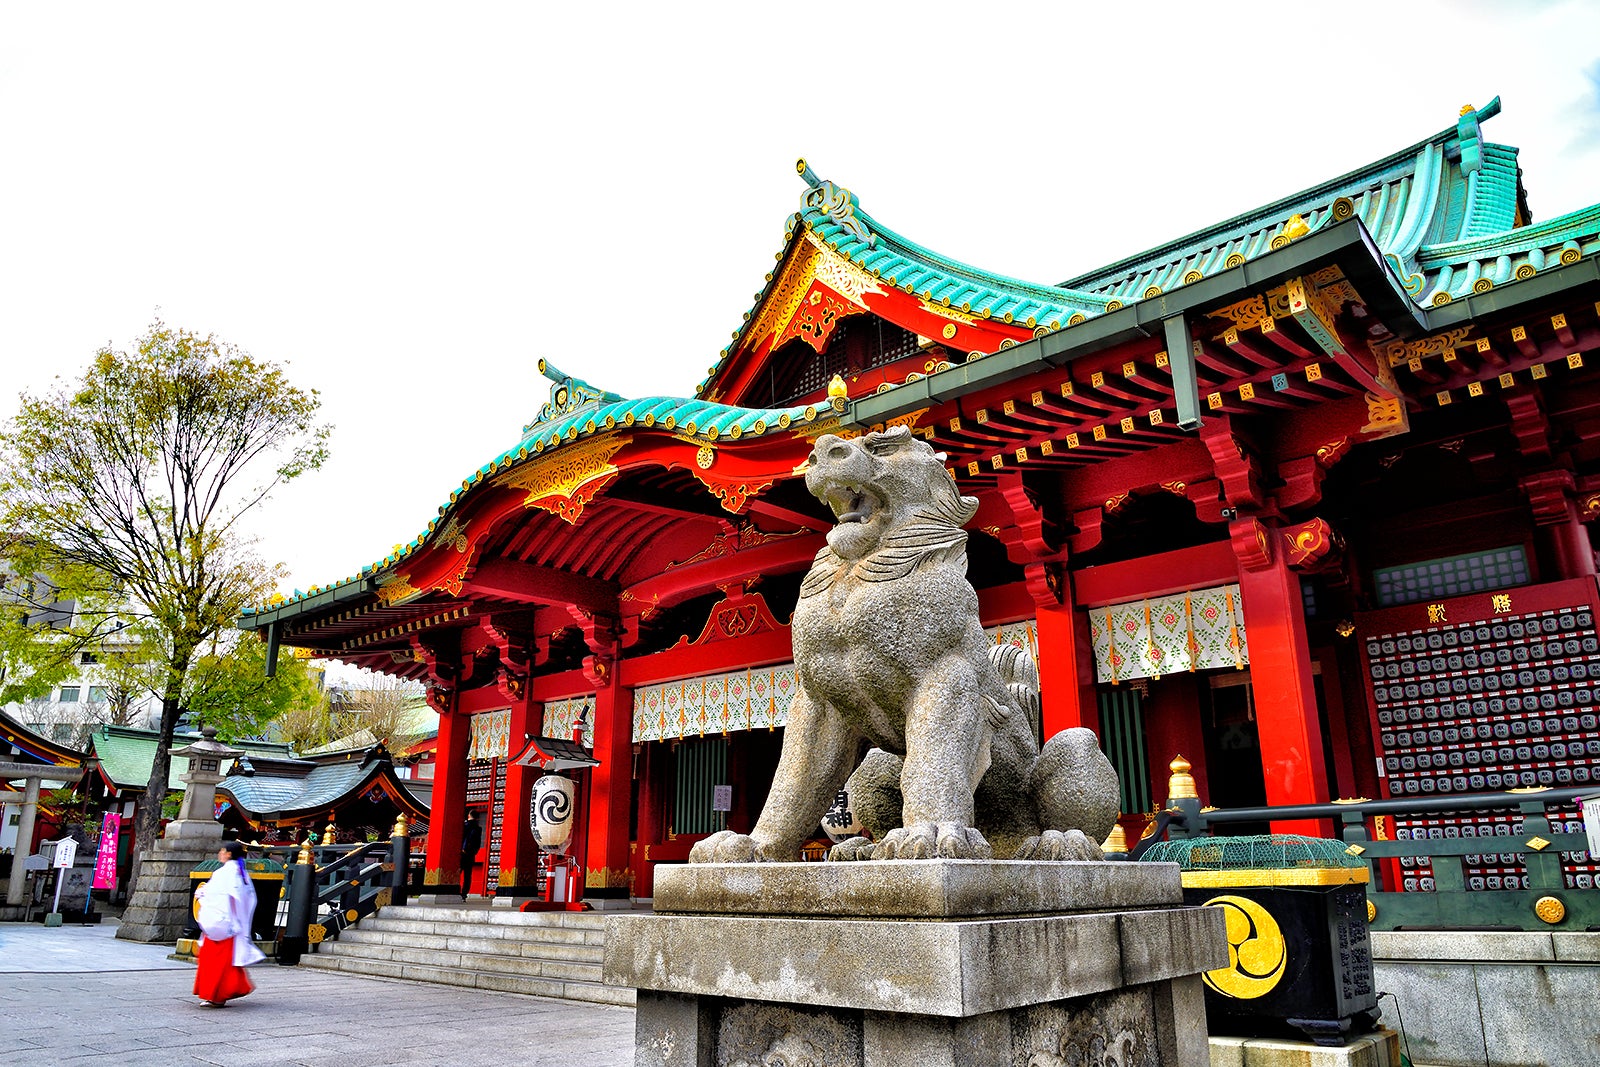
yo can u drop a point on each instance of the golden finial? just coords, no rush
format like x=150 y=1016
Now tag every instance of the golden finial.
x=306 y=855
x=1467 y=109
x=328 y=835
x=1117 y=841
x=1296 y=227
x=836 y=388
x=1181 y=785
x=399 y=826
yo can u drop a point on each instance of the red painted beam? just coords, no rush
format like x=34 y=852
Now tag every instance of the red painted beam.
x=1158 y=575
x=530 y=584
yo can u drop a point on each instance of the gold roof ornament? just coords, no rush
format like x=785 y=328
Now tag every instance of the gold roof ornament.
x=836 y=388
x=399 y=826
x=328 y=837
x=1181 y=785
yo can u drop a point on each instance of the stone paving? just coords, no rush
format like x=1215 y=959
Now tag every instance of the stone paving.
x=74 y=994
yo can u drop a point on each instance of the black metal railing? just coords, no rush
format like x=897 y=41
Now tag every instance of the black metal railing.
x=329 y=888
x=1543 y=897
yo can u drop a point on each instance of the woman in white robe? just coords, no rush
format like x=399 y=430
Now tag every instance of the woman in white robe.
x=227 y=903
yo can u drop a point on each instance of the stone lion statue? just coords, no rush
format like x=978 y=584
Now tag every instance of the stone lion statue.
x=891 y=657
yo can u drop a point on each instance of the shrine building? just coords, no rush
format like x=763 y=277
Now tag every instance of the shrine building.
x=1303 y=496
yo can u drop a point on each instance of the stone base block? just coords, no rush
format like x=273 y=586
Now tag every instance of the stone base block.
x=1150 y=1024
x=1380 y=1049
x=932 y=962
x=162 y=901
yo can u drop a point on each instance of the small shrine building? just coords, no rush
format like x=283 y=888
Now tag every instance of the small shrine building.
x=1304 y=496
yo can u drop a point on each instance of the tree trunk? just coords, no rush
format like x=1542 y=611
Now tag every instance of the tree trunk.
x=147 y=813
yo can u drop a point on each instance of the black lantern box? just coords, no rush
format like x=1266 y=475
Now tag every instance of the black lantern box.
x=1299 y=954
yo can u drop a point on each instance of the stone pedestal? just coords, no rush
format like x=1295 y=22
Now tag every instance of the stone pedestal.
x=925 y=962
x=162 y=898
x=161 y=905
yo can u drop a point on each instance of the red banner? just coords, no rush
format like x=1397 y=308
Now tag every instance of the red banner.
x=105 y=860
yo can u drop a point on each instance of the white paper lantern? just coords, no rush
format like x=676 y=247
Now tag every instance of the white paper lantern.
x=552 y=813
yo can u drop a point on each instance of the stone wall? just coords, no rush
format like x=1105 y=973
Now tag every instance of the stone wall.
x=1483 y=999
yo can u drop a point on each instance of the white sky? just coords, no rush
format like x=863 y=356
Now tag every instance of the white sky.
x=410 y=204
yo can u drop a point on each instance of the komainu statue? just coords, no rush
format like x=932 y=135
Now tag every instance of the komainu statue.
x=891 y=657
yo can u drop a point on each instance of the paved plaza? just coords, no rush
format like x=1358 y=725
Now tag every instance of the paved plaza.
x=75 y=994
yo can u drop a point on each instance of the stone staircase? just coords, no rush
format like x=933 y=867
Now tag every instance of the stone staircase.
x=546 y=954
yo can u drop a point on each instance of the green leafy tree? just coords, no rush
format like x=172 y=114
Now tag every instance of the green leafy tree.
x=45 y=626
x=228 y=687
x=137 y=475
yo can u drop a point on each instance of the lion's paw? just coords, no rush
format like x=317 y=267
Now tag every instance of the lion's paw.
x=1059 y=845
x=852 y=848
x=928 y=840
x=725 y=846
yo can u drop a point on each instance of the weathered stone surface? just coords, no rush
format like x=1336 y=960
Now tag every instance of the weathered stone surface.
x=755 y=1035
x=1443 y=1019
x=914 y=889
x=1463 y=945
x=1381 y=1049
x=1543 y=1015
x=889 y=650
x=953 y=968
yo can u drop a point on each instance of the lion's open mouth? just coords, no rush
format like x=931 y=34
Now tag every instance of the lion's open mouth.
x=851 y=503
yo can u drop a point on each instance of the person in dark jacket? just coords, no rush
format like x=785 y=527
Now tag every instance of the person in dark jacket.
x=471 y=841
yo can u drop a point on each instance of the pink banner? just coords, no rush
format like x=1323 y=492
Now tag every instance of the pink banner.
x=105 y=860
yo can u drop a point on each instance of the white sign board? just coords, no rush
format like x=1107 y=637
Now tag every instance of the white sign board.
x=66 y=852
x=722 y=798
x=1591 y=825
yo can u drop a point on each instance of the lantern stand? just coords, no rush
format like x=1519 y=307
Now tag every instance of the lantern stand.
x=552 y=817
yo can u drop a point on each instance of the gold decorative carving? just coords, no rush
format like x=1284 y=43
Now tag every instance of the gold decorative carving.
x=1538 y=844
x=1235 y=259
x=557 y=482
x=1386 y=416
x=1246 y=313
x=315 y=933
x=1550 y=910
x=705 y=457
x=450 y=534
x=1372 y=912
x=396 y=589
x=943 y=312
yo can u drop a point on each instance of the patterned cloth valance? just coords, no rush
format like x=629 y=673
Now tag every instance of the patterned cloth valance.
x=491 y=735
x=751 y=699
x=560 y=714
x=1194 y=631
x=491 y=730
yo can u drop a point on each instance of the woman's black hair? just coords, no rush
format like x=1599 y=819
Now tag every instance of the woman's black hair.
x=236 y=849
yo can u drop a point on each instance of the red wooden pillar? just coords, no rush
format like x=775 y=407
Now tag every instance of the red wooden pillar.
x=649 y=817
x=519 y=852
x=449 y=812
x=1280 y=676
x=1065 y=653
x=606 y=859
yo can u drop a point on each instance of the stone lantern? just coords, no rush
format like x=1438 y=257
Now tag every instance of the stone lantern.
x=162 y=897
x=208 y=759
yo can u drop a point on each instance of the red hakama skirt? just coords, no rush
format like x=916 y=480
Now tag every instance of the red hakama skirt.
x=216 y=978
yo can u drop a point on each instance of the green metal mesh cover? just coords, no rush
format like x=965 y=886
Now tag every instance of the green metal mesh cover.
x=1256 y=852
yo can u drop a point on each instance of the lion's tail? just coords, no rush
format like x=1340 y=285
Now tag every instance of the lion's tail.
x=1020 y=675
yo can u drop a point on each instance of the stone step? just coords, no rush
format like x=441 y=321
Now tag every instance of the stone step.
x=592 y=992
x=509 y=946
x=501 y=916
x=533 y=966
x=569 y=935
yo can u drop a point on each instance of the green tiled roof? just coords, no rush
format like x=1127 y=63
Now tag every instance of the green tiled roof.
x=576 y=410
x=126 y=754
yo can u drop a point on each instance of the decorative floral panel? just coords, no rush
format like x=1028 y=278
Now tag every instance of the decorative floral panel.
x=1199 y=630
x=753 y=699
x=559 y=715
x=491 y=735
